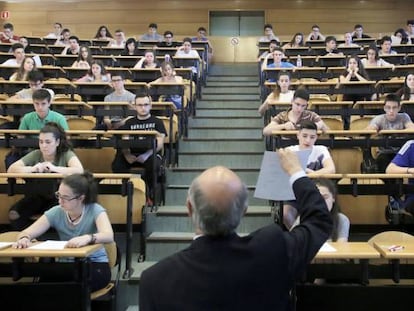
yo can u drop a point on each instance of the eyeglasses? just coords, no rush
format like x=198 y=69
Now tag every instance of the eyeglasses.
x=65 y=198
x=116 y=80
x=167 y=37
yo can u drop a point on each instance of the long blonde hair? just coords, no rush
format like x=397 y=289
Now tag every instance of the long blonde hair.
x=21 y=74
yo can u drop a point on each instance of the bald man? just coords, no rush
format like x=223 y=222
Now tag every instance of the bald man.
x=223 y=271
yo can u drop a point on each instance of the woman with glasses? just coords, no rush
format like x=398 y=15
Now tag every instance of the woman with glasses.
x=54 y=155
x=373 y=59
x=79 y=220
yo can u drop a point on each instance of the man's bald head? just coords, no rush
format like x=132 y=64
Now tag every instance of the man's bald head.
x=218 y=200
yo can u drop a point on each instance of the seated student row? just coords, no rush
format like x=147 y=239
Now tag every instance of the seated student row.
x=371 y=60
x=282 y=93
x=124 y=159
x=85 y=54
x=98 y=74
x=298 y=47
x=291 y=119
x=85 y=60
x=320 y=160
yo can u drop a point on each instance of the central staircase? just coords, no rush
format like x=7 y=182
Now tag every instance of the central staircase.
x=227 y=130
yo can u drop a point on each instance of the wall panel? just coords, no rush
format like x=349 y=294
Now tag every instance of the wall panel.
x=35 y=17
x=83 y=17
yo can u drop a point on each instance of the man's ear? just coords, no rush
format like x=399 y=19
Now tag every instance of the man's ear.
x=189 y=208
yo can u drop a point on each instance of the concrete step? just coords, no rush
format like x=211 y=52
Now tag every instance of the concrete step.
x=223 y=90
x=245 y=69
x=177 y=195
x=228 y=104
x=184 y=176
x=213 y=83
x=176 y=219
x=139 y=267
x=223 y=133
x=256 y=122
x=248 y=111
x=231 y=159
x=212 y=145
x=249 y=97
x=163 y=244
x=230 y=78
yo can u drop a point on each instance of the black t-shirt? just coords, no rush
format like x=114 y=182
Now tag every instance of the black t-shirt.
x=164 y=44
x=150 y=124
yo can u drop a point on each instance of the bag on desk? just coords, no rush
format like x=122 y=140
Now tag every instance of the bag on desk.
x=369 y=164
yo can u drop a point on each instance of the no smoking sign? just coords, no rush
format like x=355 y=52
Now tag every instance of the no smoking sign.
x=234 y=41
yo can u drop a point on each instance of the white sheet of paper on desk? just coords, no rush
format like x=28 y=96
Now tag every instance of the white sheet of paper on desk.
x=327 y=248
x=5 y=244
x=50 y=245
x=273 y=182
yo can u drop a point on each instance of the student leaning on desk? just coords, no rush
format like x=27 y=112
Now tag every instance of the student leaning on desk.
x=78 y=219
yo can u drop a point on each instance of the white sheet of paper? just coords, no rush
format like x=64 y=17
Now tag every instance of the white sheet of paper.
x=327 y=248
x=273 y=182
x=50 y=244
x=5 y=244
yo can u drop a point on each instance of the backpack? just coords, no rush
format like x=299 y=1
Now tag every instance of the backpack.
x=369 y=164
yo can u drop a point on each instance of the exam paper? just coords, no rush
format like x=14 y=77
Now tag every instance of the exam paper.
x=5 y=244
x=273 y=182
x=327 y=248
x=50 y=245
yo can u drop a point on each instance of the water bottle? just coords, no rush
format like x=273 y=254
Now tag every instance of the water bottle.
x=299 y=61
x=167 y=58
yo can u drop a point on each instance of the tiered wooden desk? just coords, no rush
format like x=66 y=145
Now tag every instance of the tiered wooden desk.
x=11 y=184
x=69 y=295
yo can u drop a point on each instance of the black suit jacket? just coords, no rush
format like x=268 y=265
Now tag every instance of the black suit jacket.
x=255 y=272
